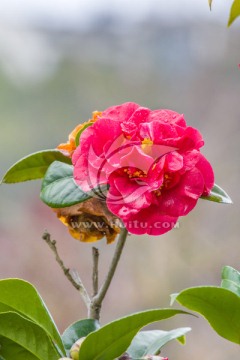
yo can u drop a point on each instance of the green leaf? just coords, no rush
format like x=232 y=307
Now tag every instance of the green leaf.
x=219 y=306
x=231 y=279
x=151 y=342
x=234 y=12
x=20 y=296
x=217 y=194
x=33 y=167
x=111 y=340
x=21 y=339
x=182 y=339
x=77 y=138
x=77 y=330
x=210 y=4
x=59 y=188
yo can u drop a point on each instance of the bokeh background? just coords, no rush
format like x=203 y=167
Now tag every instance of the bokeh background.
x=59 y=61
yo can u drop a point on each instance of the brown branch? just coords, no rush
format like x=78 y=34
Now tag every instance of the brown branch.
x=76 y=283
x=97 y=300
x=93 y=304
x=95 y=255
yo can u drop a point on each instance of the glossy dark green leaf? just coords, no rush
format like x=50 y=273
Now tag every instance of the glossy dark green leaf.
x=219 y=306
x=151 y=342
x=77 y=139
x=21 y=339
x=217 y=194
x=59 y=188
x=231 y=279
x=20 y=296
x=113 y=339
x=234 y=12
x=33 y=166
x=77 y=330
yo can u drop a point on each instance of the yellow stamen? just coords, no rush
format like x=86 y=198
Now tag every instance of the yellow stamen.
x=157 y=192
x=147 y=141
x=146 y=145
x=135 y=174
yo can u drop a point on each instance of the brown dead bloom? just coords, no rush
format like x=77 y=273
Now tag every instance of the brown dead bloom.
x=90 y=221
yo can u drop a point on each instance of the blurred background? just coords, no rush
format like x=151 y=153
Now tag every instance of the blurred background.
x=62 y=59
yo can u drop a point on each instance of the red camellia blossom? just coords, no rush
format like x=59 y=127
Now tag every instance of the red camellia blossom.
x=151 y=162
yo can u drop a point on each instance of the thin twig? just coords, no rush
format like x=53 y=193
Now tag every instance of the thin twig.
x=113 y=266
x=98 y=299
x=77 y=284
x=95 y=255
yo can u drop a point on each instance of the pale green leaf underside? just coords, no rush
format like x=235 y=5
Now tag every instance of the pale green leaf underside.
x=151 y=342
x=231 y=279
x=217 y=194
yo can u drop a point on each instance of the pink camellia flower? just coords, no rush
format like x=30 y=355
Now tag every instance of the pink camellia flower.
x=151 y=162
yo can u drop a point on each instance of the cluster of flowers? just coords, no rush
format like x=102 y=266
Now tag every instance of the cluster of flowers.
x=150 y=162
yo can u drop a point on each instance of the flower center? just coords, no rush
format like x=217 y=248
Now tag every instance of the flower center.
x=169 y=181
x=146 y=144
x=135 y=173
x=147 y=141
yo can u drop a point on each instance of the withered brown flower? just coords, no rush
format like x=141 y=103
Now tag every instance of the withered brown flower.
x=90 y=221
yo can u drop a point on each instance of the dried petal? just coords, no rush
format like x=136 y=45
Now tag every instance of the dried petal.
x=90 y=221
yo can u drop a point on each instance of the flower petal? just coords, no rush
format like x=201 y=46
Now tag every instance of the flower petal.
x=181 y=199
x=120 y=112
x=151 y=161
x=125 y=192
x=207 y=172
x=150 y=221
x=168 y=117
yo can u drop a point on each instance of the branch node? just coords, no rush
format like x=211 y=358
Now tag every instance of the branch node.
x=77 y=284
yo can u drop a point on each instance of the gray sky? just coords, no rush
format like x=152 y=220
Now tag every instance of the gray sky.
x=71 y=11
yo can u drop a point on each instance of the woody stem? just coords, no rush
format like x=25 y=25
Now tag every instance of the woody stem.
x=95 y=255
x=75 y=280
x=96 y=301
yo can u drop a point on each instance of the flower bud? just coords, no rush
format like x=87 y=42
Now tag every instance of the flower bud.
x=74 y=351
x=64 y=358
